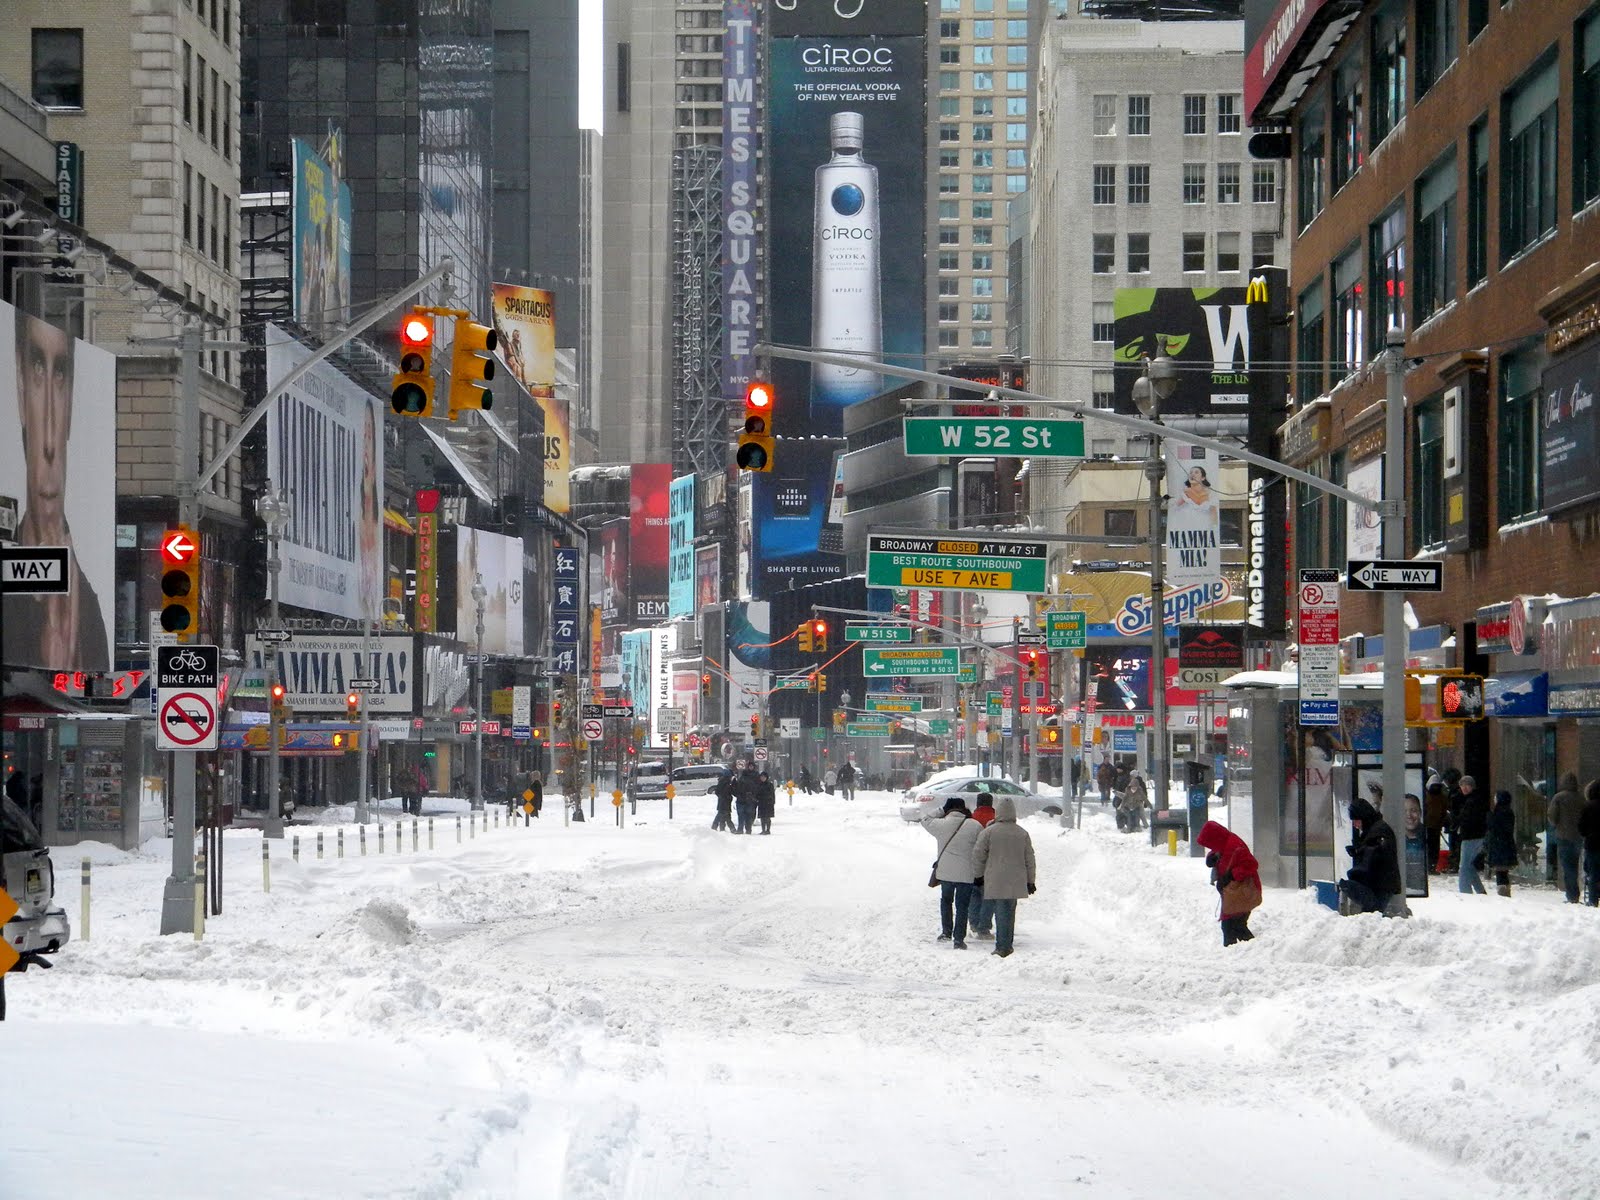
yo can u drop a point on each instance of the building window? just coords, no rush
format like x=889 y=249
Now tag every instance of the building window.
x=1016 y=81
x=983 y=185
x=1194 y=115
x=1017 y=29
x=982 y=338
x=1016 y=56
x=1528 y=160
x=1230 y=113
x=983 y=210
x=1103 y=385
x=949 y=81
x=949 y=260
x=949 y=210
x=1138 y=116
x=1518 y=435
x=949 y=133
x=216 y=110
x=1427 y=474
x=1105 y=253
x=1263 y=249
x=1435 y=239
x=1122 y=522
x=1227 y=251
x=949 y=287
x=1016 y=131
x=1263 y=183
x=1105 y=319
x=1477 y=17
x=983 y=106
x=983 y=235
x=1227 y=183
x=983 y=160
x=227 y=121
x=982 y=262
x=983 y=81
x=1586 y=114
x=983 y=312
x=188 y=84
x=1016 y=106
x=950 y=56
x=1138 y=254
x=1311 y=165
x=950 y=160
x=58 y=68
x=1478 y=202
x=1194 y=183
x=1310 y=327
x=1105 y=183
x=949 y=236
x=949 y=313
x=949 y=106
x=949 y=339
x=1436 y=41
x=1386 y=239
x=1194 y=252
x=949 y=184
x=1138 y=183
x=983 y=56
x=1016 y=160
x=216 y=222
x=188 y=203
x=1349 y=146
x=950 y=29
x=1388 y=69
x=1308 y=527
x=982 y=132
x=1349 y=320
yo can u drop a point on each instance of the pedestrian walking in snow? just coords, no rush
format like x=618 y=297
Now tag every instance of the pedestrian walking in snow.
x=956 y=833
x=1131 y=804
x=1589 y=827
x=847 y=781
x=744 y=799
x=1374 y=877
x=830 y=780
x=1105 y=775
x=808 y=785
x=1500 y=841
x=1435 y=801
x=1236 y=875
x=724 y=793
x=766 y=801
x=1003 y=870
x=1565 y=809
x=1471 y=824
x=980 y=914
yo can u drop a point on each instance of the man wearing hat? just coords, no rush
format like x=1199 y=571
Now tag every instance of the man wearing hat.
x=956 y=834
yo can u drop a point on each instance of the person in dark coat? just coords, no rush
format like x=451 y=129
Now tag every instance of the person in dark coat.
x=1105 y=775
x=724 y=793
x=1374 y=876
x=808 y=785
x=744 y=799
x=1589 y=827
x=1562 y=816
x=847 y=780
x=766 y=801
x=1236 y=875
x=536 y=786
x=1500 y=842
x=1470 y=823
x=1435 y=803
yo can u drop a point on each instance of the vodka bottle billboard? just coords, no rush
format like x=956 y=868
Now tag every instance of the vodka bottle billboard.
x=846 y=305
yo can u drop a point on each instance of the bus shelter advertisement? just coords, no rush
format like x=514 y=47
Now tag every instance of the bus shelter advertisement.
x=846 y=125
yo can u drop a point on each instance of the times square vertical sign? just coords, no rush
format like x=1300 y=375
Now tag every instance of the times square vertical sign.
x=739 y=124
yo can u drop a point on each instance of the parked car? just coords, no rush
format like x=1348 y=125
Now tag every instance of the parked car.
x=698 y=780
x=647 y=781
x=40 y=925
x=928 y=799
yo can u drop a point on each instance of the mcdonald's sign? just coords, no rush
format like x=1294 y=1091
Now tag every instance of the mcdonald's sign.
x=1256 y=292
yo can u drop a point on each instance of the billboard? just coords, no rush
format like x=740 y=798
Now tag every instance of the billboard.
x=1571 y=429
x=739 y=195
x=707 y=576
x=680 y=548
x=648 y=543
x=1206 y=331
x=325 y=454
x=1363 y=536
x=321 y=250
x=614 y=606
x=525 y=320
x=316 y=670
x=847 y=124
x=58 y=475
x=1193 y=525
x=497 y=559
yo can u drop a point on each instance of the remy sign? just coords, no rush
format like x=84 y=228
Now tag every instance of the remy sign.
x=1016 y=437
x=920 y=660
x=932 y=561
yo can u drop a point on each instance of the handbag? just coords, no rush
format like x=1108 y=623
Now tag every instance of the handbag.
x=933 y=875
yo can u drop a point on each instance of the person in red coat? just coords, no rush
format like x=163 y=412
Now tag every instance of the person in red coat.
x=1237 y=876
x=982 y=915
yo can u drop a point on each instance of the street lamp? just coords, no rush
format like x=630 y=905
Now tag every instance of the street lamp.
x=273 y=509
x=479 y=594
x=1159 y=381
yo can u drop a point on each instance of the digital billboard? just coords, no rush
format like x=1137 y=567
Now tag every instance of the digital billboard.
x=1206 y=331
x=680 y=548
x=614 y=606
x=648 y=484
x=525 y=320
x=321 y=231
x=497 y=560
x=58 y=475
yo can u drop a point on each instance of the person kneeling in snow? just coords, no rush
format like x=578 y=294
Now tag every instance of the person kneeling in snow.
x=1374 y=877
x=1237 y=877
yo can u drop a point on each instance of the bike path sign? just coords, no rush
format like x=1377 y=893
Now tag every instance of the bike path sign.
x=187 y=697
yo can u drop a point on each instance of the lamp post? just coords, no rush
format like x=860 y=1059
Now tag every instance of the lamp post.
x=479 y=594
x=980 y=614
x=1159 y=381
x=273 y=510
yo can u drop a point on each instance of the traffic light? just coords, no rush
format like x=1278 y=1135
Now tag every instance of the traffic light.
x=755 y=725
x=820 y=682
x=180 y=582
x=278 y=698
x=471 y=366
x=1052 y=735
x=338 y=739
x=411 y=392
x=838 y=720
x=352 y=705
x=1461 y=697
x=819 y=636
x=555 y=713
x=1413 y=694
x=705 y=684
x=756 y=446
x=804 y=635
x=1031 y=659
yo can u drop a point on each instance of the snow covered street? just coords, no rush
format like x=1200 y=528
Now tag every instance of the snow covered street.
x=664 y=1010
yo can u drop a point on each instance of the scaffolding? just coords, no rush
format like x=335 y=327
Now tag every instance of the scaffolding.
x=699 y=430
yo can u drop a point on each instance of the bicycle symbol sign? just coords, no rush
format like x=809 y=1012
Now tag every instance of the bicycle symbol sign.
x=186 y=667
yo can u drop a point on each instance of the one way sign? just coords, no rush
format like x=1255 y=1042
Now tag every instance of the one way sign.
x=1393 y=575
x=34 y=569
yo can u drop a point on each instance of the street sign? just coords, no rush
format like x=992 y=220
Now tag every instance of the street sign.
x=789 y=727
x=618 y=712
x=854 y=632
x=34 y=570
x=8 y=953
x=1208 y=654
x=1318 y=628
x=819 y=735
x=672 y=720
x=969 y=673
x=593 y=728
x=187 y=721
x=522 y=711
x=894 y=704
x=798 y=684
x=1030 y=639
x=364 y=685
x=922 y=660
x=862 y=729
x=274 y=635
x=939 y=727
x=1066 y=630
x=1393 y=575
x=522 y=733
x=759 y=754
x=935 y=561
x=1004 y=437
x=591 y=711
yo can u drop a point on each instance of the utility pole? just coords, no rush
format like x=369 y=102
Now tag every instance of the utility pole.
x=1394 y=547
x=1014 y=744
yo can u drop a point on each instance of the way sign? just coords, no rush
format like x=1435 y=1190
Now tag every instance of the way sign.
x=672 y=720
x=364 y=685
x=1006 y=437
x=178 y=547
x=622 y=712
x=1393 y=575
x=922 y=660
x=877 y=633
x=35 y=570
x=274 y=635
x=593 y=730
x=947 y=561
x=187 y=721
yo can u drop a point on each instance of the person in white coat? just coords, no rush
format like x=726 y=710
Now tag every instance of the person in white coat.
x=957 y=834
x=1003 y=868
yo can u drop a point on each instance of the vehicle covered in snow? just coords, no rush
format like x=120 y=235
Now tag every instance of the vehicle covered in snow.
x=40 y=926
x=928 y=798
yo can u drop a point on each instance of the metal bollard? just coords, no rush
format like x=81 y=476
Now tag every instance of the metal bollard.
x=430 y=833
x=399 y=841
x=266 y=865
x=472 y=825
x=380 y=837
x=341 y=842
x=83 y=919
x=1172 y=843
x=497 y=818
x=363 y=841
x=297 y=847
x=458 y=831
x=413 y=833
x=319 y=844
x=199 y=895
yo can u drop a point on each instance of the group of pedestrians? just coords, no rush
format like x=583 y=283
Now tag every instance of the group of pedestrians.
x=985 y=864
x=743 y=799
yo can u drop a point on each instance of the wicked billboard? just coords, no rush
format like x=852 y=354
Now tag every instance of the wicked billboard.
x=1206 y=331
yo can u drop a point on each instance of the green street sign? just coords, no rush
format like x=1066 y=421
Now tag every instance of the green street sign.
x=1005 y=437
x=969 y=673
x=939 y=728
x=991 y=702
x=964 y=564
x=792 y=685
x=1066 y=630
x=894 y=704
x=921 y=660
x=857 y=729
x=819 y=735
x=877 y=633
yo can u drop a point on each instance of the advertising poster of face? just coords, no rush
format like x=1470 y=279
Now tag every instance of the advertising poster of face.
x=497 y=560
x=1206 y=331
x=648 y=540
x=748 y=632
x=707 y=576
x=525 y=322
x=680 y=549
x=321 y=249
x=1194 y=515
x=614 y=607
x=58 y=474
x=1364 y=529
x=325 y=454
x=846 y=124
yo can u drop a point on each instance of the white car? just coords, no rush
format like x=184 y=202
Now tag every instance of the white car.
x=700 y=780
x=928 y=799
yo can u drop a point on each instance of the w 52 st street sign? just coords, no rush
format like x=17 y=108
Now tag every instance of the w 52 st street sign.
x=1014 y=437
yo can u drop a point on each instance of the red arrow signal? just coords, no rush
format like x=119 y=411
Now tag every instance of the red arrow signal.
x=178 y=547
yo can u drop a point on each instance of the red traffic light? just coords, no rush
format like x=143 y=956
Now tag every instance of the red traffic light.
x=277 y=693
x=820 y=628
x=758 y=395
x=178 y=547
x=416 y=331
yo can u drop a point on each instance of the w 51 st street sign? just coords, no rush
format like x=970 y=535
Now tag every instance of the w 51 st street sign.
x=1014 y=437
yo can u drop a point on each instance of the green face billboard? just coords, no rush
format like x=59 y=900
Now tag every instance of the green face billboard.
x=1204 y=330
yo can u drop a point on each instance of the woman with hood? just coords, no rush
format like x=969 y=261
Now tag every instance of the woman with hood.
x=1374 y=876
x=1237 y=877
x=956 y=832
x=766 y=800
x=1500 y=843
x=1003 y=870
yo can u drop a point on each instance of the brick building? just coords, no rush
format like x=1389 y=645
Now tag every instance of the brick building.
x=1444 y=159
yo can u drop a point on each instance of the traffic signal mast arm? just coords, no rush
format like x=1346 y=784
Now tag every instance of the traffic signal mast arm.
x=1006 y=653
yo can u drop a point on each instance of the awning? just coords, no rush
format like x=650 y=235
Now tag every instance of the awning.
x=1517 y=694
x=468 y=476
x=397 y=521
